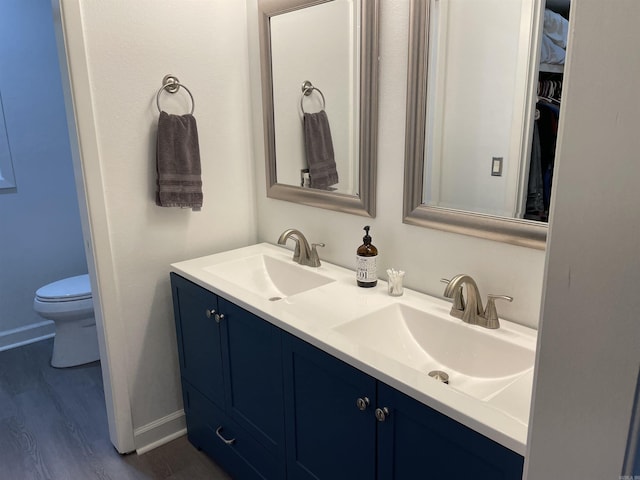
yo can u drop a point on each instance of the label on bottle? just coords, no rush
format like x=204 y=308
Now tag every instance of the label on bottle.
x=366 y=269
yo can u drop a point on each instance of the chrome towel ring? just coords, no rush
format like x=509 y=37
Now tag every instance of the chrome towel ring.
x=307 y=89
x=171 y=84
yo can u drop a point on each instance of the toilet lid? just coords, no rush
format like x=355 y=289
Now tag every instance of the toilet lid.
x=67 y=289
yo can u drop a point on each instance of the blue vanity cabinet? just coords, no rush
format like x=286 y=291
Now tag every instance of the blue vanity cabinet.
x=231 y=369
x=415 y=441
x=265 y=404
x=330 y=427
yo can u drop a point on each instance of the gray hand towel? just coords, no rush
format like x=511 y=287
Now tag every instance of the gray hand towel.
x=178 y=162
x=318 y=147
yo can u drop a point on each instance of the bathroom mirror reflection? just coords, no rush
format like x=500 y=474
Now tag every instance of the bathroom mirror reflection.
x=479 y=159
x=319 y=89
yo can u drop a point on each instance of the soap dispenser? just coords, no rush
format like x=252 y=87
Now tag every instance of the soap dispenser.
x=366 y=262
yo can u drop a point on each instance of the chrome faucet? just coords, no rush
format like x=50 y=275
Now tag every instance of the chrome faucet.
x=302 y=254
x=470 y=310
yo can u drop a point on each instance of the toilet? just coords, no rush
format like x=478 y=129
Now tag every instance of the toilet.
x=69 y=303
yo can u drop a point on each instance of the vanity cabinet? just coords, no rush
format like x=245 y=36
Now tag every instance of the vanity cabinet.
x=231 y=370
x=343 y=424
x=266 y=404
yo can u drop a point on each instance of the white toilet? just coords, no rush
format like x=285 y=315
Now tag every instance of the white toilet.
x=69 y=304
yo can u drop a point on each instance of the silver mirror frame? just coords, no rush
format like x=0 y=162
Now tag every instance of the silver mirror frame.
x=515 y=231
x=365 y=202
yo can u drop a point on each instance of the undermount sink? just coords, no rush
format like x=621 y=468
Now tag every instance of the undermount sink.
x=269 y=277
x=478 y=362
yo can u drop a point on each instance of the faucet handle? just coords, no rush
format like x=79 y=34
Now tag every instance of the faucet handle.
x=314 y=259
x=459 y=306
x=491 y=312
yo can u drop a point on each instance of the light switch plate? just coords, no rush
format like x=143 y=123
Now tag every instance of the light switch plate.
x=496 y=167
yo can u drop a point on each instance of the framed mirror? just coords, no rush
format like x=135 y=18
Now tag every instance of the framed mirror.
x=472 y=81
x=7 y=179
x=319 y=61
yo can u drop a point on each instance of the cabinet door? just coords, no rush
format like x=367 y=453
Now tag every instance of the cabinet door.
x=415 y=441
x=252 y=352
x=198 y=336
x=327 y=435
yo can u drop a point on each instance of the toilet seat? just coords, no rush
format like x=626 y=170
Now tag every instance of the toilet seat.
x=66 y=290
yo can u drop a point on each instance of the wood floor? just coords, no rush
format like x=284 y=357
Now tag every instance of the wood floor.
x=53 y=426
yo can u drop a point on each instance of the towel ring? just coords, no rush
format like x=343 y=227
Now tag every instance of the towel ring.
x=307 y=89
x=171 y=84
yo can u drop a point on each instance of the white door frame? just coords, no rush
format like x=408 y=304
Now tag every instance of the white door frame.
x=85 y=150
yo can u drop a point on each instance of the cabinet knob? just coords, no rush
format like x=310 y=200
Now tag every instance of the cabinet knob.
x=209 y=313
x=218 y=317
x=362 y=403
x=382 y=414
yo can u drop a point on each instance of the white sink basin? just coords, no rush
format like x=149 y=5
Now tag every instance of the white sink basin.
x=269 y=277
x=479 y=362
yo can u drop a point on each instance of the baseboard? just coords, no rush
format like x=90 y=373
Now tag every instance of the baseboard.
x=31 y=333
x=159 y=432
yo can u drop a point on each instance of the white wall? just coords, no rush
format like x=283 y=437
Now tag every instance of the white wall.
x=426 y=255
x=589 y=353
x=40 y=235
x=118 y=53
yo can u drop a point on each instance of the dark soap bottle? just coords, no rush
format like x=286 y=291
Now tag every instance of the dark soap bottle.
x=366 y=262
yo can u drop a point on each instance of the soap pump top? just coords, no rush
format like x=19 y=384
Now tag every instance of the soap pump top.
x=366 y=262
x=367 y=249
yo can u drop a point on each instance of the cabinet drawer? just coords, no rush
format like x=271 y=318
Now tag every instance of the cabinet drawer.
x=240 y=455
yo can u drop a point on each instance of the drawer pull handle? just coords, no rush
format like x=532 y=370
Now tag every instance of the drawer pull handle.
x=228 y=442
x=362 y=403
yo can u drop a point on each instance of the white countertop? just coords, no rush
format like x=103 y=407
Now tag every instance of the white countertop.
x=313 y=315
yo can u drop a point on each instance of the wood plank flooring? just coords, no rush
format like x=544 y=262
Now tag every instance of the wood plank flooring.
x=53 y=426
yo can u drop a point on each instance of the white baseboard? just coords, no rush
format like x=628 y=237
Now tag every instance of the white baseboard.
x=159 y=432
x=31 y=333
